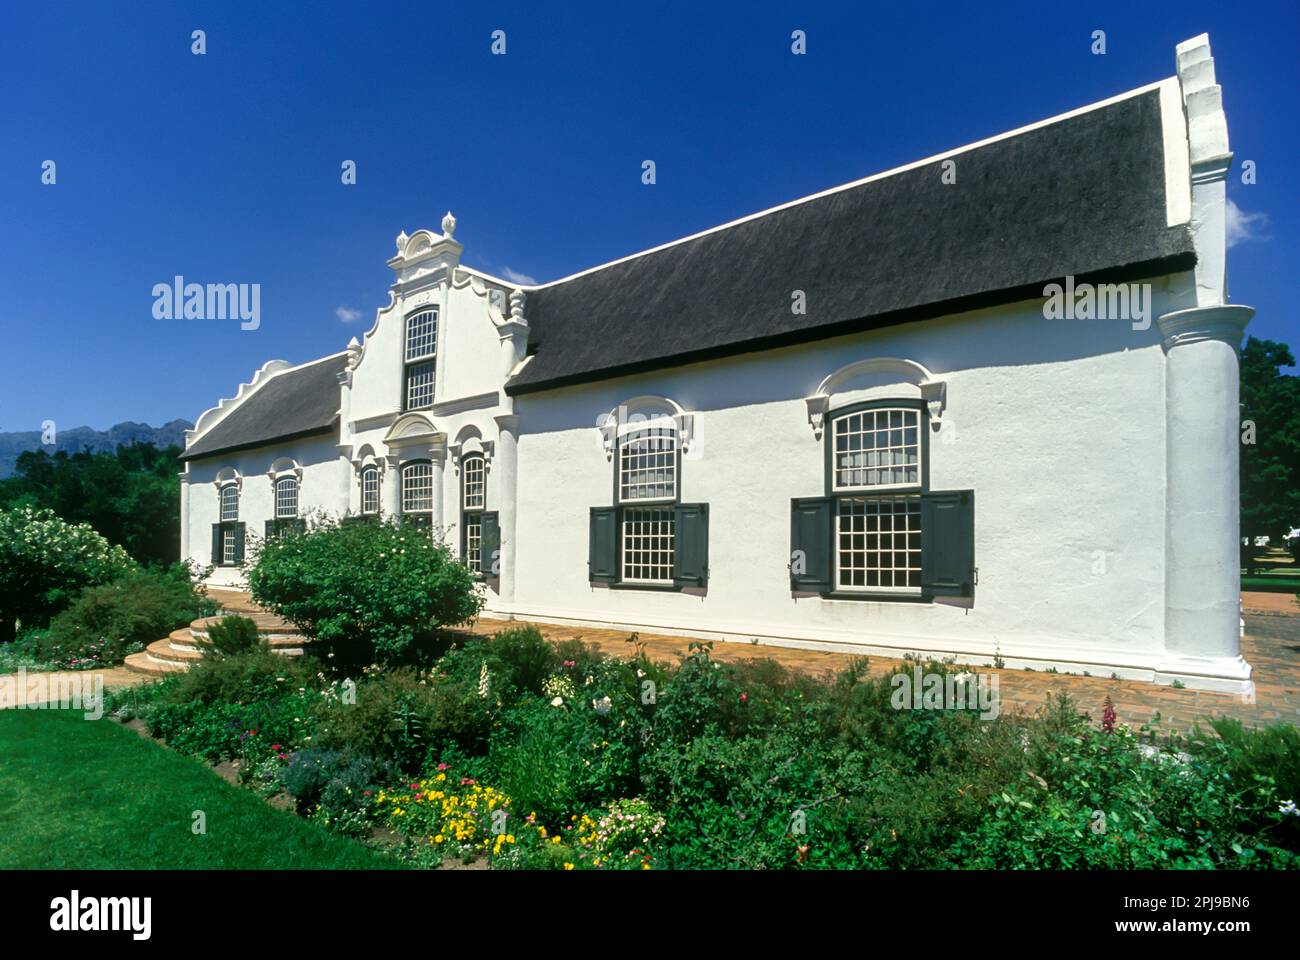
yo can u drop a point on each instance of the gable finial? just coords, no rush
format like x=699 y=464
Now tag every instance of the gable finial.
x=401 y=241
x=448 y=225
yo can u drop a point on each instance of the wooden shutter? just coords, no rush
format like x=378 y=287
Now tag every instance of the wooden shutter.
x=489 y=544
x=216 y=544
x=602 y=554
x=239 y=543
x=810 y=545
x=270 y=529
x=948 y=543
x=691 y=535
x=298 y=525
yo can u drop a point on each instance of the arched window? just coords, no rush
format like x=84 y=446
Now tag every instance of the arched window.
x=286 y=498
x=230 y=502
x=876 y=484
x=417 y=489
x=420 y=359
x=647 y=482
x=228 y=532
x=879 y=532
x=370 y=490
x=649 y=538
x=473 y=481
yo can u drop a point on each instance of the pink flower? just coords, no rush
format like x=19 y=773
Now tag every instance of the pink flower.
x=444 y=766
x=744 y=698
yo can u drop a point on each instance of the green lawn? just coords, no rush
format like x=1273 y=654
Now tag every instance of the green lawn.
x=83 y=794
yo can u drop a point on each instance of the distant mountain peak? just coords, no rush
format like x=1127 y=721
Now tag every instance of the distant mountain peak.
x=78 y=439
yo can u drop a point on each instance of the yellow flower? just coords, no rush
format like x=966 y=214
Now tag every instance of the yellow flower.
x=567 y=866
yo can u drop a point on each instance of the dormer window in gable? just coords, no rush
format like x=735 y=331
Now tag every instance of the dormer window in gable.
x=420 y=360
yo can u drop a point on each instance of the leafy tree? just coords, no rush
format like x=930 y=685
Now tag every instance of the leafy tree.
x=131 y=496
x=1270 y=466
x=45 y=562
x=365 y=590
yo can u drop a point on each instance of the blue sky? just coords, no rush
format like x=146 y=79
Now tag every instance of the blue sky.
x=226 y=167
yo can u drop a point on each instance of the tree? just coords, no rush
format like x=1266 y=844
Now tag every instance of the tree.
x=45 y=562
x=131 y=496
x=1270 y=465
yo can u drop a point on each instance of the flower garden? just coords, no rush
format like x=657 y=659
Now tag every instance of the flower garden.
x=437 y=747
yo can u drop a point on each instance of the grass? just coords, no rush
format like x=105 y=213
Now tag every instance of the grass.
x=91 y=794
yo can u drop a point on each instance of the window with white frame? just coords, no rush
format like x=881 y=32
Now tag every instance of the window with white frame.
x=417 y=488
x=229 y=547
x=647 y=479
x=286 y=498
x=229 y=502
x=420 y=359
x=876 y=476
x=370 y=490
x=473 y=474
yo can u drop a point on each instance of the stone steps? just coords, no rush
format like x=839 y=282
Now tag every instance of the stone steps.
x=182 y=648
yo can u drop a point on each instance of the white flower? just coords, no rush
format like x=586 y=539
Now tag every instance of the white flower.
x=602 y=706
x=557 y=702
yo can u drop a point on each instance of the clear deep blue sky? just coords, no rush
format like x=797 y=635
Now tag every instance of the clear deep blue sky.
x=226 y=167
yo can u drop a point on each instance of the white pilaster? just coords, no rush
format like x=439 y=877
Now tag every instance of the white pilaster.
x=390 y=490
x=1202 y=491
x=505 y=470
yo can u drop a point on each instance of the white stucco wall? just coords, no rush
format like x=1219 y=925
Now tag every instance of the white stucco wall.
x=1058 y=427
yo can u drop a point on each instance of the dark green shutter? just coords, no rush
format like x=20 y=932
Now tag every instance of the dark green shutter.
x=602 y=553
x=239 y=543
x=810 y=545
x=298 y=525
x=270 y=529
x=948 y=543
x=489 y=544
x=691 y=532
x=216 y=544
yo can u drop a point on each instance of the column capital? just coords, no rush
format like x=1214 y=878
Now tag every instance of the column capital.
x=1224 y=321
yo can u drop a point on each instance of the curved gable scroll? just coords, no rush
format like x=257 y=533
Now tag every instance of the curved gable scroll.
x=877 y=378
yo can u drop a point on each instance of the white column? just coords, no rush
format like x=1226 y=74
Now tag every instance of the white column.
x=505 y=474
x=185 y=513
x=390 y=489
x=439 y=461
x=1202 y=498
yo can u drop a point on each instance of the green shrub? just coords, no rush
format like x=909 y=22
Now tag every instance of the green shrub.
x=365 y=590
x=522 y=658
x=404 y=716
x=231 y=636
x=45 y=562
x=242 y=678
x=107 y=622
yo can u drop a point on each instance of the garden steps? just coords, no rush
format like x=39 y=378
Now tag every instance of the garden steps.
x=181 y=649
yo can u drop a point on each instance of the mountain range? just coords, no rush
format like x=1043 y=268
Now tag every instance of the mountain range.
x=77 y=439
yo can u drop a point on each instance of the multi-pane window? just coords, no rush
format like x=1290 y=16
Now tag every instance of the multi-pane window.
x=876 y=448
x=417 y=487
x=647 y=473
x=878 y=542
x=877 y=537
x=647 y=546
x=286 y=498
x=421 y=335
x=473 y=480
x=420 y=358
x=647 y=464
x=229 y=502
x=370 y=490
x=229 y=552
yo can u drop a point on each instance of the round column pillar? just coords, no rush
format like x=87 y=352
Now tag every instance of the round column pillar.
x=1202 y=498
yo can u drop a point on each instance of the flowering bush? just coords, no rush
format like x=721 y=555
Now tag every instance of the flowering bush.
x=621 y=838
x=45 y=562
x=448 y=816
x=365 y=591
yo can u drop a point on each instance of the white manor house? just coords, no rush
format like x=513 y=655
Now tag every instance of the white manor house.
x=855 y=421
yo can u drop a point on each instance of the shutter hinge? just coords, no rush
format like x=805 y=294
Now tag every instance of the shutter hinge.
x=977 y=576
